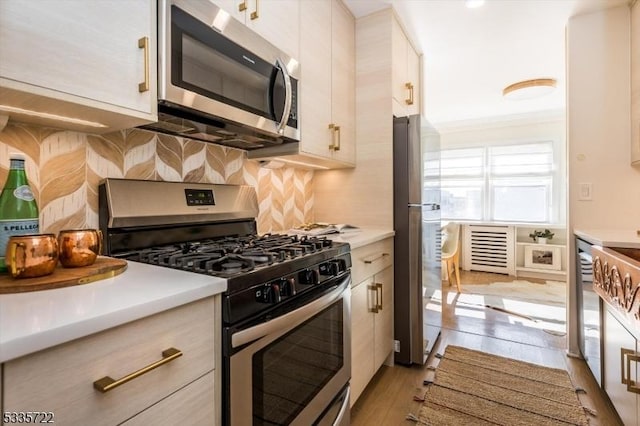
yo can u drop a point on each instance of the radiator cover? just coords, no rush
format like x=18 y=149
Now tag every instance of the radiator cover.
x=489 y=249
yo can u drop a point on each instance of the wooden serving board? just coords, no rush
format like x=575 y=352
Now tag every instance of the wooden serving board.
x=104 y=267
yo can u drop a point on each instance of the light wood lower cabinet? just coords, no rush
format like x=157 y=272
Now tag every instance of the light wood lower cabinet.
x=619 y=344
x=371 y=312
x=61 y=379
x=192 y=405
x=362 y=339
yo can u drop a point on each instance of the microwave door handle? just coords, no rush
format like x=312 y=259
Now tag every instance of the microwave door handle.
x=288 y=92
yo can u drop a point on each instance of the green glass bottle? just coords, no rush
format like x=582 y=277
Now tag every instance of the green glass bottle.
x=18 y=208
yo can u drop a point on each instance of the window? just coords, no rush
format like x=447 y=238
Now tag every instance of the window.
x=506 y=183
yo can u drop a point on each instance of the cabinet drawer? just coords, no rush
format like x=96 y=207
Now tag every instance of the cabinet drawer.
x=370 y=259
x=60 y=379
x=192 y=405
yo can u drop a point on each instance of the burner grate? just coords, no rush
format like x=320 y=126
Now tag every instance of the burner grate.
x=229 y=256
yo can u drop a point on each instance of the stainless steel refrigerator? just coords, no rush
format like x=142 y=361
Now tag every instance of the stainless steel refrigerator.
x=416 y=217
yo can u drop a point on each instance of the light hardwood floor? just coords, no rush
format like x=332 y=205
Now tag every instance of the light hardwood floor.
x=389 y=396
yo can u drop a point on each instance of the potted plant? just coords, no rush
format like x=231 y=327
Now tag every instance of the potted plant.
x=541 y=237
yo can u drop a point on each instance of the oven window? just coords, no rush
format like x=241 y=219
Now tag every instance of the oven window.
x=289 y=372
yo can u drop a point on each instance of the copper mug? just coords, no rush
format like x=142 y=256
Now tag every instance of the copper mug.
x=32 y=255
x=79 y=247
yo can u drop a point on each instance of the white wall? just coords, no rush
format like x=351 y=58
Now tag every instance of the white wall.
x=599 y=121
x=598 y=130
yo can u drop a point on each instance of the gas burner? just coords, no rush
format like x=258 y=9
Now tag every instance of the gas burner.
x=261 y=257
x=229 y=265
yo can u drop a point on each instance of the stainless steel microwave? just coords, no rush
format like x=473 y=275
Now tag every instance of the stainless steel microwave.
x=221 y=82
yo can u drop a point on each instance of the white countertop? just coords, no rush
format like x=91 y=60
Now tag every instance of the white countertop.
x=37 y=320
x=610 y=237
x=362 y=237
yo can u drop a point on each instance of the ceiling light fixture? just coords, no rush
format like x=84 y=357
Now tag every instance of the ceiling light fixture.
x=529 y=89
x=472 y=4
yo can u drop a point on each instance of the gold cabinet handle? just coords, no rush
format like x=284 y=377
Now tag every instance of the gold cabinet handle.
x=369 y=261
x=379 y=287
x=143 y=43
x=106 y=383
x=335 y=131
x=242 y=6
x=332 y=127
x=409 y=86
x=254 y=14
x=375 y=305
x=630 y=356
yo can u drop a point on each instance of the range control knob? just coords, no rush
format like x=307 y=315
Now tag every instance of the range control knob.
x=269 y=293
x=308 y=276
x=330 y=269
x=287 y=287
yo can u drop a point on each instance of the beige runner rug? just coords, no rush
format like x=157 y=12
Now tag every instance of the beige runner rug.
x=476 y=388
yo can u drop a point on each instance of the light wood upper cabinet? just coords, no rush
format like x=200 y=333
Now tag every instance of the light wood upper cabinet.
x=343 y=84
x=315 y=86
x=326 y=89
x=81 y=60
x=405 y=73
x=275 y=20
x=635 y=84
x=327 y=60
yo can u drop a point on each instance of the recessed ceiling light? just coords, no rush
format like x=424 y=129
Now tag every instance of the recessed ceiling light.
x=472 y=4
x=529 y=89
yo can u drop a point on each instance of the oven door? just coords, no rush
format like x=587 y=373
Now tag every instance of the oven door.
x=295 y=369
x=206 y=65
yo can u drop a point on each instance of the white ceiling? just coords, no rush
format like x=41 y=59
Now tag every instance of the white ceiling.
x=470 y=55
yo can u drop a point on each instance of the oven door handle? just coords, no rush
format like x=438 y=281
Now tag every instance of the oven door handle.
x=254 y=333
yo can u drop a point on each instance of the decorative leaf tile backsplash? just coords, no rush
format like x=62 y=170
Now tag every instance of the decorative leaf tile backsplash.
x=64 y=169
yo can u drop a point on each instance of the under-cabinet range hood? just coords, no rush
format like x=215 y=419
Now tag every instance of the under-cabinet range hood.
x=221 y=82
x=180 y=121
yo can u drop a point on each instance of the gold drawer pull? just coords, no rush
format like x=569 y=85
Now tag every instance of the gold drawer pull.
x=375 y=259
x=242 y=6
x=379 y=287
x=107 y=383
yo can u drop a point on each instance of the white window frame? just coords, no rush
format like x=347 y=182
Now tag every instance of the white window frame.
x=554 y=197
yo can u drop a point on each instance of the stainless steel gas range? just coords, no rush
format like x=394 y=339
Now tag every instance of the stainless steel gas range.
x=286 y=312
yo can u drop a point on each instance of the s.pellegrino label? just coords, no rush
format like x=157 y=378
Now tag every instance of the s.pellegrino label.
x=9 y=228
x=18 y=208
